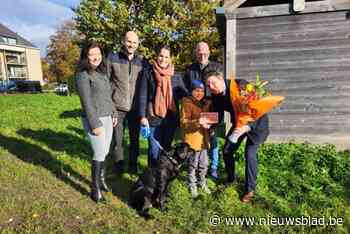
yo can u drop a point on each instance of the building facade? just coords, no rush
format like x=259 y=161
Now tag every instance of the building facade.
x=19 y=58
x=302 y=47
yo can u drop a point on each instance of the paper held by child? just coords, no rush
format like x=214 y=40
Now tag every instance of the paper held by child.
x=210 y=117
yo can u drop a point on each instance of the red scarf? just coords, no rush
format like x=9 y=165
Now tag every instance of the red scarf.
x=164 y=93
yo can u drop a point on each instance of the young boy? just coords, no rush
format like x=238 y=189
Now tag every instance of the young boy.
x=196 y=134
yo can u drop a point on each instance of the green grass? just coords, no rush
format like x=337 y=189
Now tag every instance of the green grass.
x=45 y=176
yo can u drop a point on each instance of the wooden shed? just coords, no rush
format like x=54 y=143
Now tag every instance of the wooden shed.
x=303 y=49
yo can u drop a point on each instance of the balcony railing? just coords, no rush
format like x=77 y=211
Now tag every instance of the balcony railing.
x=15 y=60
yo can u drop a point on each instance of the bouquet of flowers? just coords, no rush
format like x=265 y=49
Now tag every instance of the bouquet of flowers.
x=251 y=101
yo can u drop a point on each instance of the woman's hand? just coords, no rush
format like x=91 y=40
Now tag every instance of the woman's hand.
x=114 y=121
x=144 y=121
x=97 y=131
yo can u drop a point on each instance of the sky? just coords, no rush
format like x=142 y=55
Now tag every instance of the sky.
x=36 y=20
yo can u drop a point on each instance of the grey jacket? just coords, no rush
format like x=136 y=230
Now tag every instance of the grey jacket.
x=125 y=76
x=95 y=96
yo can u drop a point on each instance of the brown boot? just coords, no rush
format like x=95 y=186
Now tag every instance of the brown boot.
x=247 y=197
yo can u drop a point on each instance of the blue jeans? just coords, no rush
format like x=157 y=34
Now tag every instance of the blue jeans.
x=214 y=152
x=161 y=135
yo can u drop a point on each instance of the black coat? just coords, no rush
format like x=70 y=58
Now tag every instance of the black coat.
x=194 y=72
x=259 y=129
x=147 y=92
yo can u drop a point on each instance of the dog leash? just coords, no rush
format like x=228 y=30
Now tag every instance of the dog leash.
x=159 y=146
x=166 y=154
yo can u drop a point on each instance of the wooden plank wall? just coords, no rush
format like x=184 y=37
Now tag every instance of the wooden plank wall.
x=307 y=59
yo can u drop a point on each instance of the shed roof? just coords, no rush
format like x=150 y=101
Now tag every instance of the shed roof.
x=260 y=8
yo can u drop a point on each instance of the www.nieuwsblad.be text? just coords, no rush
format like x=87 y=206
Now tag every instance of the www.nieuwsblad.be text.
x=216 y=220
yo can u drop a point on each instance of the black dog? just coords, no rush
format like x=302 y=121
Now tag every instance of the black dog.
x=152 y=187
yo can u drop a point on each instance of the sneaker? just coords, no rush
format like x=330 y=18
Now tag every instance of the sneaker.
x=194 y=192
x=206 y=189
x=214 y=174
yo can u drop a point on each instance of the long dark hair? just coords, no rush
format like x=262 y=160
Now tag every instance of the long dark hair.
x=84 y=64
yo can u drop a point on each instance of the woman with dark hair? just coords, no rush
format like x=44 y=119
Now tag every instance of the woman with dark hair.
x=98 y=112
x=160 y=91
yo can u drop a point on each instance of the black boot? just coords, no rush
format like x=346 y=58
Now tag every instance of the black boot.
x=103 y=184
x=96 y=193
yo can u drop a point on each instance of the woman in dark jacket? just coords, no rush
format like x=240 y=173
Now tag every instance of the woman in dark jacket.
x=95 y=96
x=160 y=91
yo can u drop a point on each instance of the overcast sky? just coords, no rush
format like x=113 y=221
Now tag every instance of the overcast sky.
x=36 y=20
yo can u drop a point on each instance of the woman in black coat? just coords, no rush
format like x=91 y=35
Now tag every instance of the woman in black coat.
x=160 y=91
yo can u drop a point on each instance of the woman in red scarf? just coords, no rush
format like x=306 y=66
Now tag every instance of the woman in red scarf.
x=160 y=90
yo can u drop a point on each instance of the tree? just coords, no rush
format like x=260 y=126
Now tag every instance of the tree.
x=48 y=76
x=63 y=51
x=180 y=24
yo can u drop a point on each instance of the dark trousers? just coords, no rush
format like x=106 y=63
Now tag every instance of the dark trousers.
x=162 y=135
x=134 y=130
x=251 y=161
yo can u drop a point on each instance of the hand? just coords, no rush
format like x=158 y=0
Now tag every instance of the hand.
x=144 y=121
x=241 y=130
x=97 y=131
x=238 y=132
x=114 y=121
x=204 y=123
x=206 y=126
x=145 y=131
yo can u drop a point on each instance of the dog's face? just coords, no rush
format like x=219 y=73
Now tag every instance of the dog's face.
x=181 y=152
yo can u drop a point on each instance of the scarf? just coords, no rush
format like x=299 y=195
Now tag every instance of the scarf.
x=164 y=93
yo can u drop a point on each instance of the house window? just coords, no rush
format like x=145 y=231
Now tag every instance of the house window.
x=8 y=40
x=15 y=72
x=15 y=58
x=12 y=41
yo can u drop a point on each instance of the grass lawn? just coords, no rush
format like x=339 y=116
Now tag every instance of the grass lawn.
x=45 y=175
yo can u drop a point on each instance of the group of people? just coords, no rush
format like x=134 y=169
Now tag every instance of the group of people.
x=127 y=90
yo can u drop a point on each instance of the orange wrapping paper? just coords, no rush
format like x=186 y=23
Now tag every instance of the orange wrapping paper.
x=252 y=110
